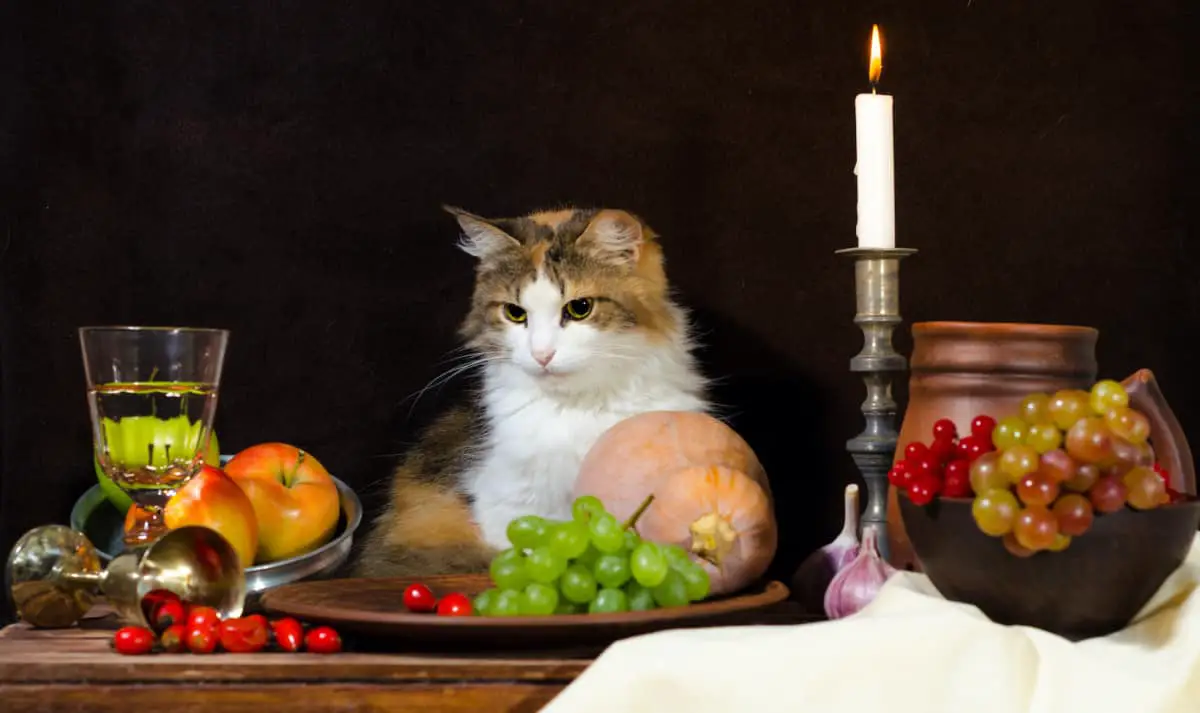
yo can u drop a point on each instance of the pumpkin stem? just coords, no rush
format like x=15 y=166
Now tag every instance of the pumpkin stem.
x=712 y=538
x=632 y=521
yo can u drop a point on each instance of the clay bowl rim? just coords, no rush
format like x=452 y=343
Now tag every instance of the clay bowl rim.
x=1031 y=329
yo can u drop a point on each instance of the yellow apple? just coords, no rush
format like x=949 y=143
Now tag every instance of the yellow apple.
x=295 y=499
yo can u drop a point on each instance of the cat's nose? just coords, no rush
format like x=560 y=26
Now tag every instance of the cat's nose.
x=543 y=357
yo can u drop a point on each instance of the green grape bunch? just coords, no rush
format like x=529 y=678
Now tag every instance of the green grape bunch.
x=590 y=564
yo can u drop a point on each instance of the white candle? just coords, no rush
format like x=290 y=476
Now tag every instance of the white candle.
x=873 y=130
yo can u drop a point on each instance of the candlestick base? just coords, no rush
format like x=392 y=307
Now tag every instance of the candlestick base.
x=877 y=313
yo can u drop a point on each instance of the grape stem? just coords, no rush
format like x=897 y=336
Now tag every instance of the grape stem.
x=632 y=521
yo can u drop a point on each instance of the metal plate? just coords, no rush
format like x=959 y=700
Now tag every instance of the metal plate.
x=102 y=523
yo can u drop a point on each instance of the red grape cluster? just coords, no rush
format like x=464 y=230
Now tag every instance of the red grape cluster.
x=943 y=466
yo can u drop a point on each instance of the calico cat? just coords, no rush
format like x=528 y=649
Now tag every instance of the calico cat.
x=574 y=327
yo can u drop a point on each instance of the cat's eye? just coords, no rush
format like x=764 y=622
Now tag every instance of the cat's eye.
x=514 y=314
x=578 y=309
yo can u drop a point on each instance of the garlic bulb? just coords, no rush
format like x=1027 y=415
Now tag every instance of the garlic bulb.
x=860 y=581
x=813 y=576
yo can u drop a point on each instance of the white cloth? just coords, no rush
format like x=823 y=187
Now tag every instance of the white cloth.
x=910 y=650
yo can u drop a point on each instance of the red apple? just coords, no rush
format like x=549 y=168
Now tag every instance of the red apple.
x=294 y=497
x=213 y=500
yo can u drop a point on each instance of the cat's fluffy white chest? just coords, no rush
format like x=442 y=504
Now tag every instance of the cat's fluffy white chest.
x=535 y=448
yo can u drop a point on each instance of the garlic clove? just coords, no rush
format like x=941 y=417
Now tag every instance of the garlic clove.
x=813 y=576
x=858 y=583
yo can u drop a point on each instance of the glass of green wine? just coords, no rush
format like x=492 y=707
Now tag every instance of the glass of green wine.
x=152 y=393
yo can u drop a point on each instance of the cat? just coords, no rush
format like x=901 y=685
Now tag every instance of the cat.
x=574 y=328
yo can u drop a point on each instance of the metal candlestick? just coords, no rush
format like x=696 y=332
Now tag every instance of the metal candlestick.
x=877 y=313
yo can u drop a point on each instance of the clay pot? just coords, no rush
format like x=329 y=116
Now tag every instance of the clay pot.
x=962 y=369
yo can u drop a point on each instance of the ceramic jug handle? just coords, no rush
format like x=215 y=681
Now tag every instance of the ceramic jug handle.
x=1166 y=435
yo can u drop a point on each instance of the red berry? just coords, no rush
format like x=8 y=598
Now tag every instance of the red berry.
x=922 y=490
x=957 y=483
x=169 y=613
x=202 y=617
x=418 y=598
x=972 y=447
x=944 y=428
x=942 y=449
x=957 y=467
x=898 y=477
x=288 y=634
x=172 y=639
x=915 y=450
x=323 y=640
x=243 y=635
x=133 y=640
x=922 y=467
x=201 y=639
x=1162 y=473
x=454 y=605
x=982 y=427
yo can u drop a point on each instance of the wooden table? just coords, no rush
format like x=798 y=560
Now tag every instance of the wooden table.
x=75 y=670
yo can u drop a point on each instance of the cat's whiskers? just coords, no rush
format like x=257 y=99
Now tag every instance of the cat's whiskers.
x=474 y=361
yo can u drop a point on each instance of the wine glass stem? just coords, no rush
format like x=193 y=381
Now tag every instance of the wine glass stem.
x=143 y=524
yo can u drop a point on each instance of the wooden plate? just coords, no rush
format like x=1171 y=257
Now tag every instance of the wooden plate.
x=375 y=608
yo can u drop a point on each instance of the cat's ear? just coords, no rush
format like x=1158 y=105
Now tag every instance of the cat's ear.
x=614 y=236
x=480 y=238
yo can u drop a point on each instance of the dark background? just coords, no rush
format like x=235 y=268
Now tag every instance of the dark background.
x=276 y=168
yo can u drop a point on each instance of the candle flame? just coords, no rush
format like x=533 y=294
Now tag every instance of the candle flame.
x=876 y=56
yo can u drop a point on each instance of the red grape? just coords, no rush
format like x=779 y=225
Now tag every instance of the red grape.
x=957 y=466
x=942 y=449
x=1090 y=441
x=1014 y=548
x=944 y=428
x=898 y=476
x=1074 y=513
x=1144 y=490
x=1035 y=528
x=1084 y=478
x=985 y=473
x=1059 y=466
x=1124 y=453
x=1068 y=406
x=1128 y=423
x=982 y=427
x=1035 y=408
x=915 y=450
x=923 y=466
x=1107 y=495
x=972 y=447
x=1037 y=489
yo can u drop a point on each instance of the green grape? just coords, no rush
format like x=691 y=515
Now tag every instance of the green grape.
x=1068 y=406
x=569 y=539
x=697 y=580
x=509 y=572
x=648 y=564
x=1018 y=461
x=566 y=606
x=639 y=597
x=995 y=511
x=672 y=591
x=512 y=553
x=676 y=556
x=544 y=566
x=1043 y=437
x=1009 y=432
x=612 y=570
x=527 y=531
x=1035 y=408
x=482 y=603
x=577 y=584
x=606 y=533
x=586 y=507
x=1107 y=394
x=632 y=540
x=1144 y=490
x=538 y=599
x=506 y=603
x=608 y=601
x=589 y=556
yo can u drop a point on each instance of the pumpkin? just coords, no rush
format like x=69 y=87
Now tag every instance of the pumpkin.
x=711 y=494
